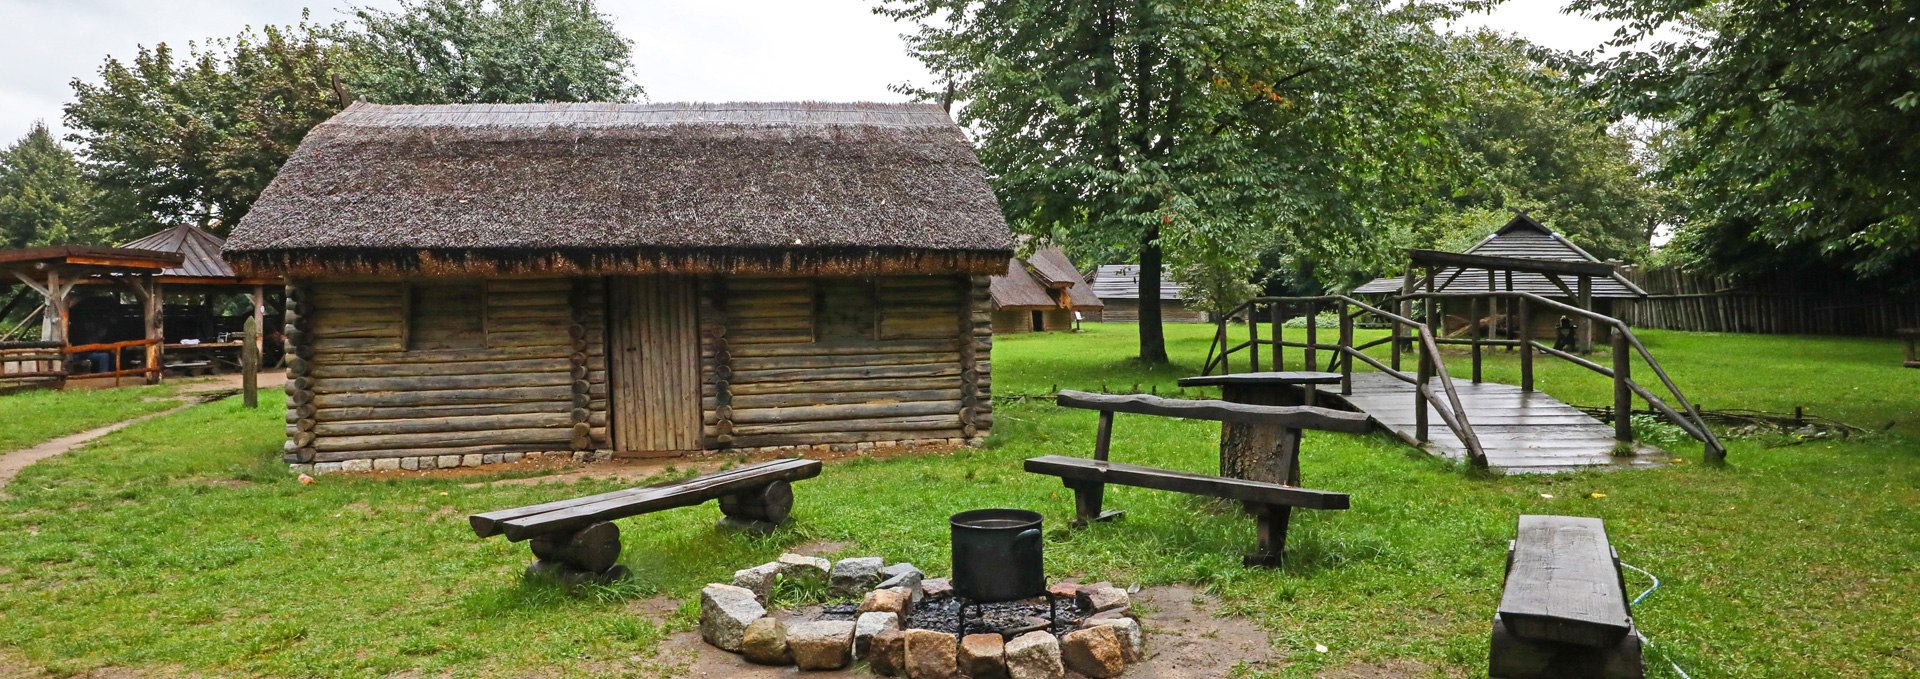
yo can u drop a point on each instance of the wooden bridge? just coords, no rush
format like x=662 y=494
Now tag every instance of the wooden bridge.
x=1513 y=428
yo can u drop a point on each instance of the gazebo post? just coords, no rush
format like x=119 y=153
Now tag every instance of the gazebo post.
x=260 y=315
x=1586 y=324
x=152 y=305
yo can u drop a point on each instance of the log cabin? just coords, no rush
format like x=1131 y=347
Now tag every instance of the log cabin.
x=1118 y=286
x=1041 y=293
x=471 y=284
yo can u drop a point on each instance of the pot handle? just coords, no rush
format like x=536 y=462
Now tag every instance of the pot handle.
x=1027 y=538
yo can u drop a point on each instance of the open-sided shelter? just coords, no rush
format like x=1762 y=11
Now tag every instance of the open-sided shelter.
x=1040 y=293
x=43 y=280
x=471 y=283
x=1118 y=285
x=1524 y=255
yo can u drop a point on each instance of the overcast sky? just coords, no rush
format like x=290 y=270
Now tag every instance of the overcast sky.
x=706 y=50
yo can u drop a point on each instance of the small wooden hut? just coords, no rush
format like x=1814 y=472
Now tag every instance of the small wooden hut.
x=1524 y=255
x=1040 y=293
x=1118 y=285
x=467 y=284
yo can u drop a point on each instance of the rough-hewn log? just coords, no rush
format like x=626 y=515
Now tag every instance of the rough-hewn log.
x=478 y=364
x=740 y=363
x=874 y=386
x=444 y=397
x=771 y=503
x=1298 y=417
x=841 y=412
x=345 y=385
x=554 y=437
x=741 y=377
x=347 y=414
x=464 y=423
x=916 y=423
x=839 y=398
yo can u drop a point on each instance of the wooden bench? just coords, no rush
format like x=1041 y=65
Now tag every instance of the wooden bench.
x=1270 y=503
x=1564 y=610
x=576 y=539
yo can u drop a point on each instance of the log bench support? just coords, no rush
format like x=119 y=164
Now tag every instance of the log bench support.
x=1271 y=504
x=576 y=541
x=1564 y=612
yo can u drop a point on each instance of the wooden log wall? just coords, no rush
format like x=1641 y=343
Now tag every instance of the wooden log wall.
x=1678 y=300
x=1171 y=311
x=788 y=362
x=372 y=377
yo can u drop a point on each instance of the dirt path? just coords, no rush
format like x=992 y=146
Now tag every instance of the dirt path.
x=189 y=395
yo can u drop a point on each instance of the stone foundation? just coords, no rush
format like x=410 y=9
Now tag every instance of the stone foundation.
x=432 y=462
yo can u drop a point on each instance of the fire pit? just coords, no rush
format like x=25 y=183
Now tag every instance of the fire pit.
x=997 y=615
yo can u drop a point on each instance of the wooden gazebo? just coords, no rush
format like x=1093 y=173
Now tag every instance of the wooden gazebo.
x=191 y=325
x=1523 y=256
x=49 y=275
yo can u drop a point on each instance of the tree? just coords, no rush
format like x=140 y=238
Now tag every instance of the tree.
x=1799 y=122
x=1535 y=144
x=44 y=198
x=488 y=51
x=1111 y=121
x=197 y=139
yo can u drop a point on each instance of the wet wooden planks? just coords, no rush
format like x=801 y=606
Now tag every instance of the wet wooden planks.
x=1521 y=432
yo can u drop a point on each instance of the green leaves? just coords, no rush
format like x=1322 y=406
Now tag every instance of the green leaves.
x=1799 y=126
x=1307 y=127
x=487 y=51
x=44 y=200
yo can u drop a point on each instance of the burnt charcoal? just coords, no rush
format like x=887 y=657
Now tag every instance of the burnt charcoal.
x=1005 y=617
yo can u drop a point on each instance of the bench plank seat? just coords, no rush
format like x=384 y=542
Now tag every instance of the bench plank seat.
x=1096 y=471
x=637 y=501
x=1563 y=584
x=521 y=523
x=1291 y=417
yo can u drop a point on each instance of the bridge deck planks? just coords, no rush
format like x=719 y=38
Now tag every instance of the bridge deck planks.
x=1521 y=432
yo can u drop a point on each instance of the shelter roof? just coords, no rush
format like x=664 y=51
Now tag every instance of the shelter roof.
x=1122 y=281
x=199 y=249
x=1523 y=251
x=586 y=186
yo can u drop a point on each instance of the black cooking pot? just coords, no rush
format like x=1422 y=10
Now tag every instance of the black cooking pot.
x=996 y=555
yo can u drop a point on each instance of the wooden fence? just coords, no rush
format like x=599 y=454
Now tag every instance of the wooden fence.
x=25 y=365
x=1684 y=301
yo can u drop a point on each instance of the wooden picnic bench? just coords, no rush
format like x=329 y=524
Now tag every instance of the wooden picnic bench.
x=1564 y=610
x=1270 y=503
x=576 y=539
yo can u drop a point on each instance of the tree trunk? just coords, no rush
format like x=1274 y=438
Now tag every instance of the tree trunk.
x=1153 y=338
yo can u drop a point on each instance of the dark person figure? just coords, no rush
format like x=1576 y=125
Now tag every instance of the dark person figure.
x=1563 y=335
x=97 y=361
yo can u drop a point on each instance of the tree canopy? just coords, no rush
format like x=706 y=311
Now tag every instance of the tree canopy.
x=44 y=198
x=1213 y=130
x=487 y=51
x=196 y=138
x=1798 y=124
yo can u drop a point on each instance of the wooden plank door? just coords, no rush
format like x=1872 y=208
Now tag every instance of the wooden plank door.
x=655 y=360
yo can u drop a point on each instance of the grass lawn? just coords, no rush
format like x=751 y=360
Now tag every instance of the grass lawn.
x=180 y=545
x=28 y=418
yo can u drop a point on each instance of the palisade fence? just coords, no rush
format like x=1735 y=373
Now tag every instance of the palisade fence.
x=1678 y=300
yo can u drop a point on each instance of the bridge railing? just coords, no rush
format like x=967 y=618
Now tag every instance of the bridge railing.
x=1625 y=346
x=1407 y=334
x=1445 y=402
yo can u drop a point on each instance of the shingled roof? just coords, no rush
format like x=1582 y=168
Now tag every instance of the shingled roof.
x=635 y=188
x=199 y=250
x=1122 y=281
x=1523 y=238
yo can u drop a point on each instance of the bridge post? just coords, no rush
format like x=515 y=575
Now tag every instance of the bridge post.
x=1526 y=343
x=1419 y=395
x=1253 y=335
x=1622 y=394
x=1273 y=313
x=1473 y=307
x=1346 y=362
x=1313 y=336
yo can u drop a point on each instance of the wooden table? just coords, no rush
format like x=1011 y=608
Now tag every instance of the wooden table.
x=1258 y=452
x=1265 y=389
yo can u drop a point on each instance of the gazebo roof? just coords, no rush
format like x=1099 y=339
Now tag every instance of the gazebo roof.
x=200 y=256
x=1525 y=252
x=83 y=260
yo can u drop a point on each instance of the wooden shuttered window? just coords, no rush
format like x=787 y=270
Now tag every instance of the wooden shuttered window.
x=446 y=315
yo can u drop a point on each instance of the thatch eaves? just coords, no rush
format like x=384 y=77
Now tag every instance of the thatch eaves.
x=805 y=188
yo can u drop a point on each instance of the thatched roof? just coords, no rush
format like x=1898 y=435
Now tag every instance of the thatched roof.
x=1522 y=238
x=629 y=188
x=1038 y=283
